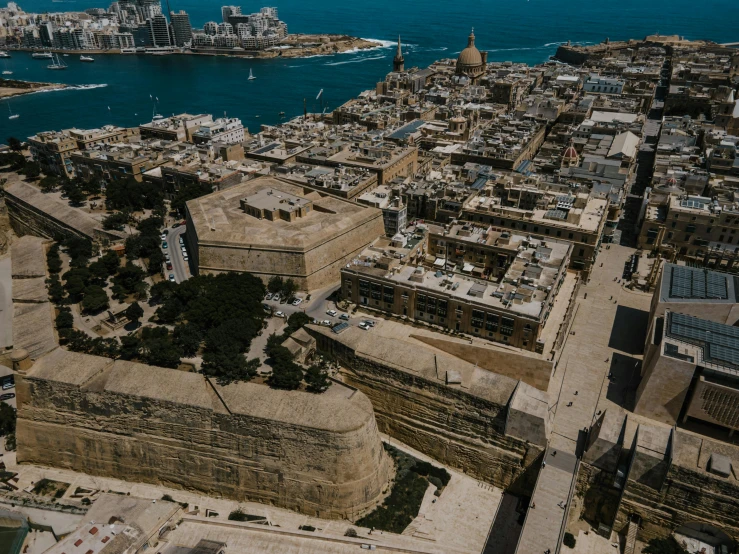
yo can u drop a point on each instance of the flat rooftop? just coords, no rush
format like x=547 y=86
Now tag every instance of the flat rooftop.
x=718 y=344
x=219 y=219
x=695 y=285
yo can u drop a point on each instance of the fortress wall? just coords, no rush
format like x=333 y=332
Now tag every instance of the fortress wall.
x=312 y=268
x=324 y=473
x=451 y=425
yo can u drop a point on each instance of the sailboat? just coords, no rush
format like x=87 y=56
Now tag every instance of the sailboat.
x=57 y=63
x=251 y=76
x=11 y=114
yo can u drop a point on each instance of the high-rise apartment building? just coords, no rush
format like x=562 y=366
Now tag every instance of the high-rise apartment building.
x=181 y=28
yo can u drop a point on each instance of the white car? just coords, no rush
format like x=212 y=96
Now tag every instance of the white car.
x=164 y=237
x=184 y=257
x=297 y=302
x=332 y=313
x=326 y=322
x=279 y=314
x=276 y=297
x=166 y=257
x=171 y=277
x=369 y=323
x=364 y=326
x=183 y=248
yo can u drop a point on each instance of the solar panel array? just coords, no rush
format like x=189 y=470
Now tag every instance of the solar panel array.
x=696 y=283
x=693 y=204
x=556 y=214
x=721 y=341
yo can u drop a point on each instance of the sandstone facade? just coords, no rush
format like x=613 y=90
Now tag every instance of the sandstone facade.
x=309 y=248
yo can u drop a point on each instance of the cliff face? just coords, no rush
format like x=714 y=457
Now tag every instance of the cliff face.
x=76 y=412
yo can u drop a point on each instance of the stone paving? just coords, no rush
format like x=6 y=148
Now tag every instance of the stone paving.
x=603 y=326
x=6 y=304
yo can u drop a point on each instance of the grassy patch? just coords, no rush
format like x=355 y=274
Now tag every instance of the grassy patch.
x=239 y=515
x=48 y=487
x=411 y=481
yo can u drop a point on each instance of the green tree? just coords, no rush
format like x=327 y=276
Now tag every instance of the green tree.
x=15 y=144
x=189 y=192
x=75 y=195
x=98 y=271
x=156 y=262
x=130 y=346
x=56 y=290
x=316 y=378
x=275 y=284
x=79 y=250
x=49 y=183
x=188 y=337
x=134 y=312
x=90 y=187
x=64 y=319
x=75 y=286
x=32 y=170
x=129 y=277
x=286 y=374
x=7 y=419
x=115 y=221
x=95 y=300
x=111 y=261
x=53 y=260
x=158 y=349
x=289 y=288
x=227 y=365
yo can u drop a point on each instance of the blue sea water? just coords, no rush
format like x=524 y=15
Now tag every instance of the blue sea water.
x=117 y=89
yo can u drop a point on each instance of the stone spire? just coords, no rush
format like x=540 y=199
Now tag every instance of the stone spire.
x=398 y=60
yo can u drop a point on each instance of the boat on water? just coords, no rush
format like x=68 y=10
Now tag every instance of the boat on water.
x=12 y=115
x=251 y=76
x=6 y=72
x=57 y=63
x=42 y=55
x=87 y=59
x=4 y=54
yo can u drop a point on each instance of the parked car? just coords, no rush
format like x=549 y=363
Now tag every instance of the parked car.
x=345 y=317
x=369 y=323
x=165 y=232
x=8 y=385
x=269 y=296
x=166 y=256
x=164 y=244
x=182 y=247
x=164 y=237
x=279 y=314
x=7 y=396
x=171 y=277
x=169 y=266
x=184 y=256
x=364 y=326
x=332 y=313
x=297 y=302
x=175 y=226
x=276 y=297
x=181 y=240
x=326 y=322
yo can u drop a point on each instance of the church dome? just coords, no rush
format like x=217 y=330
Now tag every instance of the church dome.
x=570 y=153
x=470 y=59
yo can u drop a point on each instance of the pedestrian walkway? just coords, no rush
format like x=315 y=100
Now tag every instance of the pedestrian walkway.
x=586 y=362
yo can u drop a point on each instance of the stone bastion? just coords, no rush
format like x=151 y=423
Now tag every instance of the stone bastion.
x=317 y=454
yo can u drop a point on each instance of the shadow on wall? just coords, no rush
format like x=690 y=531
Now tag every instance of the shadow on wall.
x=623 y=380
x=629 y=329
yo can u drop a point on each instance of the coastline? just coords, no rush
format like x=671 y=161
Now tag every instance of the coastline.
x=294 y=46
x=15 y=87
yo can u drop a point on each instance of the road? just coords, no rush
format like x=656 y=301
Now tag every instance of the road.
x=180 y=268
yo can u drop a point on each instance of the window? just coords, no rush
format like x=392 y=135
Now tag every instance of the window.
x=375 y=291
x=690 y=228
x=571 y=236
x=364 y=288
x=431 y=305
x=388 y=294
x=477 y=319
x=441 y=308
x=491 y=323
x=421 y=302
x=582 y=252
x=506 y=328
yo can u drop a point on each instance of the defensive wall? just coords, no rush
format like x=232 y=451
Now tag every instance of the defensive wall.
x=490 y=426
x=319 y=454
x=665 y=478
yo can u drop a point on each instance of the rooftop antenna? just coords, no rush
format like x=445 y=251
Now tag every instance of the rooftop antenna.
x=305 y=111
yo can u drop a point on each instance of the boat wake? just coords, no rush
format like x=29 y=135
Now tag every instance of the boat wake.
x=71 y=87
x=381 y=43
x=358 y=60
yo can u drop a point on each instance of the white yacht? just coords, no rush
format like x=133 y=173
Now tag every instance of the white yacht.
x=42 y=55
x=4 y=54
x=87 y=59
x=56 y=63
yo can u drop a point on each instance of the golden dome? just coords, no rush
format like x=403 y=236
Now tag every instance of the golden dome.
x=470 y=57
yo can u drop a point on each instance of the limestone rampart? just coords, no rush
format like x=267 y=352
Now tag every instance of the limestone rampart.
x=317 y=454
x=665 y=480
x=442 y=406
